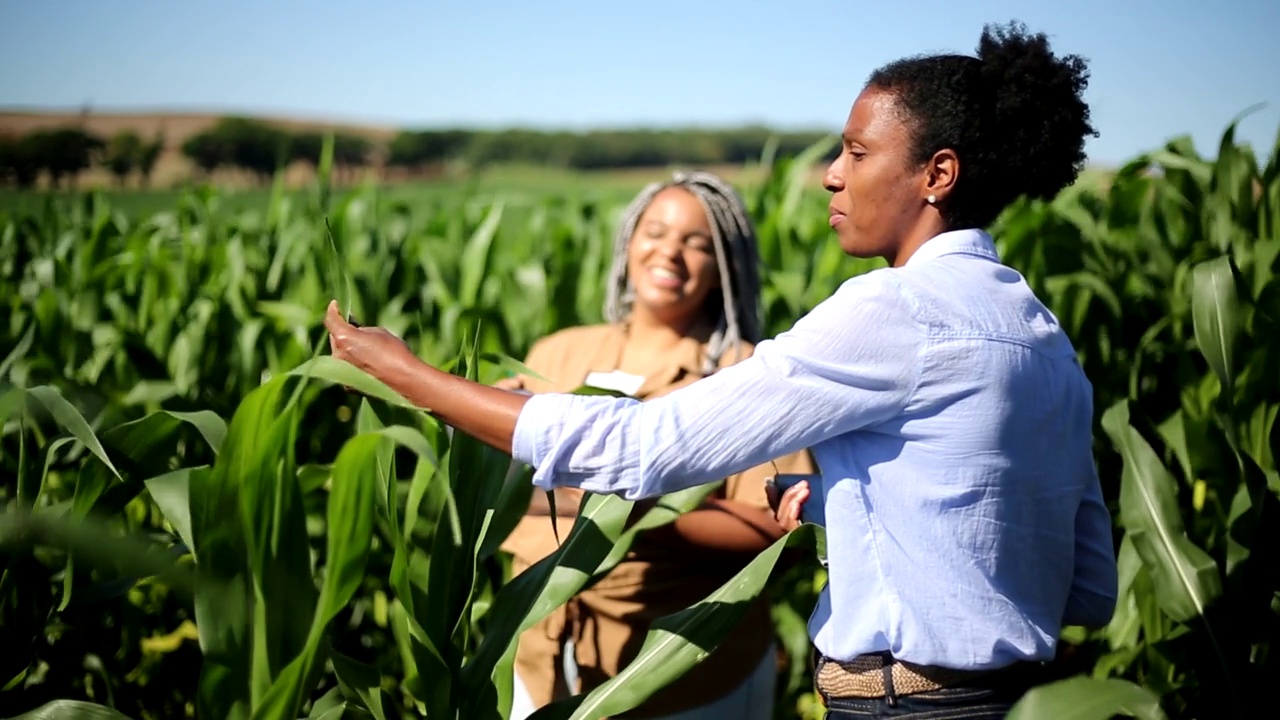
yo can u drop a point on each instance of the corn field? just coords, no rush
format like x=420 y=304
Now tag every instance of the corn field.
x=202 y=520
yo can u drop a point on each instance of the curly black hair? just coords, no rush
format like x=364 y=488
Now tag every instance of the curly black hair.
x=1014 y=116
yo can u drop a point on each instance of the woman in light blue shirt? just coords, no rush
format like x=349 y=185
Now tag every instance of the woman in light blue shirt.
x=941 y=399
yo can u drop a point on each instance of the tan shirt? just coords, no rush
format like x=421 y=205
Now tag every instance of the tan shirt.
x=609 y=620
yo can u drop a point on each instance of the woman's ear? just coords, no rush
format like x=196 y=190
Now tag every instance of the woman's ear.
x=940 y=174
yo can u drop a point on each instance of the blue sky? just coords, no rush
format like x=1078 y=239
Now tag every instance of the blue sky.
x=1159 y=68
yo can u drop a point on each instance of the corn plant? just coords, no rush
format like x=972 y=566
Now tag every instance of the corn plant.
x=264 y=626
x=200 y=521
x=1174 y=298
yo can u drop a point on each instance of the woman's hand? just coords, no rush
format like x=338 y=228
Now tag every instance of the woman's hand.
x=485 y=413
x=371 y=349
x=787 y=508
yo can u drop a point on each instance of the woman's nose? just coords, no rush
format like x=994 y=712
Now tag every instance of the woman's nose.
x=831 y=180
x=668 y=246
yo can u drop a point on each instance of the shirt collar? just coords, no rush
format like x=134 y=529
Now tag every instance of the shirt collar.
x=956 y=242
x=685 y=359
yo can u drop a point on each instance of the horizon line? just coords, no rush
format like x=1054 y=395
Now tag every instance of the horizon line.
x=320 y=118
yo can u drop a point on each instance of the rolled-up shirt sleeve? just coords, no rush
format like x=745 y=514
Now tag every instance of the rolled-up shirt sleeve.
x=851 y=362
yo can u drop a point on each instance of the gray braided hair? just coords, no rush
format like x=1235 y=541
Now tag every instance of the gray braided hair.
x=737 y=257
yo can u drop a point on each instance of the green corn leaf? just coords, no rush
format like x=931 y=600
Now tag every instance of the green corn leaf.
x=476 y=473
x=30 y=497
x=324 y=171
x=71 y=710
x=679 y=641
x=367 y=420
x=360 y=683
x=96 y=544
x=70 y=418
x=333 y=370
x=554 y=580
x=1123 y=629
x=225 y=589
x=549 y=583
x=1188 y=578
x=352 y=502
x=172 y=493
x=339 y=281
x=1215 y=311
x=511 y=365
x=1086 y=698
x=474 y=265
x=18 y=352
x=12 y=402
x=278 y=549
x=90 y=486
x=510 y=507
x=138 y=439
x=329 y=706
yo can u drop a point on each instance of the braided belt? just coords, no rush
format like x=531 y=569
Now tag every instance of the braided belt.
x=873 y=676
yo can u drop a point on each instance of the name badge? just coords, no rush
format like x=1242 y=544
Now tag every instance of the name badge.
x=618 y=381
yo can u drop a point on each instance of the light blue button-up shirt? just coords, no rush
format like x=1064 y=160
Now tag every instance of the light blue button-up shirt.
x=952 y=425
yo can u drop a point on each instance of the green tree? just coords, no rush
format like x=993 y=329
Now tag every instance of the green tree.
x=207 y=151
x=122 y=154
x=241 y=143
x=17 y=162
x=305 y=147
x=148 y=154
x=63 y=152
x=415 y=149
x=254 y=146
x=350 y=152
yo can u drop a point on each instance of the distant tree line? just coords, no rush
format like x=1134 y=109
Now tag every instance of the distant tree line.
x=63 y=153
x=592 y=150
x=262 y=148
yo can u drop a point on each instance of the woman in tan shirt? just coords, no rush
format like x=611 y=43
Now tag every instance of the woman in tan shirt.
x=683 y=302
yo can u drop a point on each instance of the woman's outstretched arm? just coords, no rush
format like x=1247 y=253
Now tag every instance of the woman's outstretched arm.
x=486 y=413
x=849 y=363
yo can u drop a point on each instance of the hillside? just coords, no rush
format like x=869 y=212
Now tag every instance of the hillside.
x=176 y=128
x=518 y=149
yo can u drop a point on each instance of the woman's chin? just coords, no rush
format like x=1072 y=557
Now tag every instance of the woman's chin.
x=855 y=247
x=657 y=298
x=669 y=307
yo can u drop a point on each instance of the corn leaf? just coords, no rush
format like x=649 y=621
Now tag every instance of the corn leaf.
x=1086 y=698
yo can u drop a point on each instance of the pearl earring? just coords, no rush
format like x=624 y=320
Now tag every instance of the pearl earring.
x=932 y=199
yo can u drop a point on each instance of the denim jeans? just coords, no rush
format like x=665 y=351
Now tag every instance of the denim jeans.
x=979 y=702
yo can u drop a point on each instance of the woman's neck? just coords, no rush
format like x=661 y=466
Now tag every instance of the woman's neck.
x=647 y=329
x=929 y=226
x=650 y=339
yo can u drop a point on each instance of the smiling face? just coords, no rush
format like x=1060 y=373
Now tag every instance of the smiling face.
x=671 y=258
x=878 y=193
